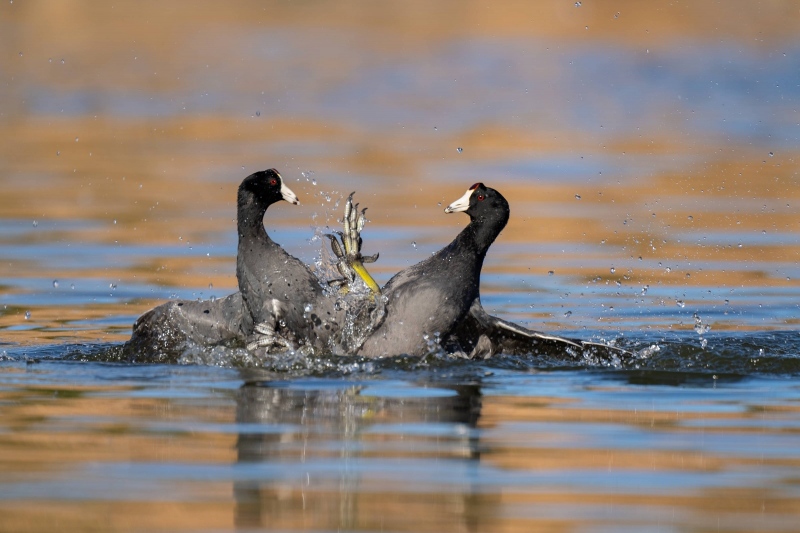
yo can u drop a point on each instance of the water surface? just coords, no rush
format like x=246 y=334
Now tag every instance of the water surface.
x=649 y=155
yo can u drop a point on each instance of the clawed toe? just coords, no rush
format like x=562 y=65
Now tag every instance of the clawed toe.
x=265 y=336
x=348 y=253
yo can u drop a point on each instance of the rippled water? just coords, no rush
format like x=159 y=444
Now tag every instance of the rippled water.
x=649 y=155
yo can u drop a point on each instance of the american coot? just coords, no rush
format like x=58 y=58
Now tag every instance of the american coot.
x=425 y=302
x=164 y=332
x=437 y=301
x=281 y=303
x=285 y=304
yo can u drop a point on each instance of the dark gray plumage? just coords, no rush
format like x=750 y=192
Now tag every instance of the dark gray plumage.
x=284 y=302
x=425 y=302
x=163 y=333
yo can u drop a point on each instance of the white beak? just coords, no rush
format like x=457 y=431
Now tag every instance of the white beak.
x=462 y=204
x=288 y=194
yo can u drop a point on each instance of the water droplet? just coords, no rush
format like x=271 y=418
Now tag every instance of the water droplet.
x=578 y=4
x=20 y=54
x=55 y=283
x=690 y=217
x=49 y=59
x=115 y=221
x=112 y=286
x=313 y=182
x=77 y=139
x=72 y=286
x=681 y=304
x=414 y=244
x=568 y=314
x=668 y=270
x=577 y=196
x=459 y=149
x=644 y=289
x=210 y=286
x=27 y=315
x=550 y=272
x=727 y=302
x=616 y=15
x=613 y=270
x=763 y=232
x=62 y=61
x=771 y=154
x=258 y=113
x=739 y=245
x=58 y=152
x=308 y=308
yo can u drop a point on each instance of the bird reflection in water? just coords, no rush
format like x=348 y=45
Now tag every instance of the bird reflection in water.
x=334 y=458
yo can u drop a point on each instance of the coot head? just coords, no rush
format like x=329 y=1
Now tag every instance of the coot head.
x=487 y=210
x=266 y=187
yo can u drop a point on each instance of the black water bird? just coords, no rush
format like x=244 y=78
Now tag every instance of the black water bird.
x=427 y=301
x=436 y=303
x=265 y=273
x=279 y=292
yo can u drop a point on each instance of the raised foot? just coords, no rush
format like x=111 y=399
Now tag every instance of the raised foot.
x=265 y=336
x=348 y=253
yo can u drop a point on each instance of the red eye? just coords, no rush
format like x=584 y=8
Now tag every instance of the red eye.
x=273 y=181
x=480 y=197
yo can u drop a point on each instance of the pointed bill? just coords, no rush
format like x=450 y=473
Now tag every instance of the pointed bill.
x=462 y=204
x=288 y=194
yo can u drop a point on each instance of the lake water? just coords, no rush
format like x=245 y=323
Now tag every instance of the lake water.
x=649 y=153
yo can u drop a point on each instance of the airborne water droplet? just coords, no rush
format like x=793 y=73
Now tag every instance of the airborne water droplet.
x=414 y=244
x=681 y=304
x=27 y=315
x=577 y=196
x=568 y=314
x=55 y=283
x=459 y=149
x=210 y=286
x=613 y=270
x=35 y=223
